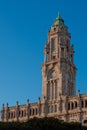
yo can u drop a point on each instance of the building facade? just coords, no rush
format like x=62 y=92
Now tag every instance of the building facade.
x=59 y=97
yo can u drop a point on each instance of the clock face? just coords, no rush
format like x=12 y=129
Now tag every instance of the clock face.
x=51 y=75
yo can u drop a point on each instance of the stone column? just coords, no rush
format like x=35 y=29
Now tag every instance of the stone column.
x=39 y=106
x=27 y=109
x=45 y=54
x=3 y=113
x=57 y=89
x=66 y=108
x=79 y=100
x=60 y=104
x=64 y=52
x=50 y=90
x=50 y=51
x=70 y=105
x=83 y=103
x=59 y=53
x=6 y=112
x=44 y=107
x=79 y=105
x=54 y=89
x=17 y=111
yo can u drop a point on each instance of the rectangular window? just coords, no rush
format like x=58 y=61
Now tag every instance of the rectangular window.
x=56 y=89
x=54 y=57
x=85 y=103
x=62 y=52
x=53 y=44
x=82 y=103
x=52 y=90
x=48 y=91
x=68 y=106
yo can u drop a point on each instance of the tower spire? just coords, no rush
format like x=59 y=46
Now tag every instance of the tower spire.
x=59 y=15
x=58 y=21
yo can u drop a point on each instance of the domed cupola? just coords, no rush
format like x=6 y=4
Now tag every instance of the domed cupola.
x=58 y=21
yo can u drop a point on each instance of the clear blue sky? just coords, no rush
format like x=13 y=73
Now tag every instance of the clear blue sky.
x=23 y=31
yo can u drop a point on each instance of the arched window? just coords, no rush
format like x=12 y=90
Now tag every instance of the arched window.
x=69 y=106
x=52 y=90
x=48 y=109
x=36 y=111
x=56 y=89
x=51 y=109
x=14 y=114
x=30 y=112
x=71 y=58
x=62 y=52
x=82 y=104
x=19 y=113
x=75 y=104
x=11 y=114
x=55 y=108
x=48 y=91
x=69 y=85
x=24 y=113
x=85 y=121
x=33 y=111
x=72 y=105
x=85 y=103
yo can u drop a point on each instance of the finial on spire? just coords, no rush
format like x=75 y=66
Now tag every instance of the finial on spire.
x=58 y=14
x=27 y=100
x=59 y=17
x=58 y=21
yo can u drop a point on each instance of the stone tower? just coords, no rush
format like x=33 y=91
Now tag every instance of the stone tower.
x=58 y=69
x=59 y=98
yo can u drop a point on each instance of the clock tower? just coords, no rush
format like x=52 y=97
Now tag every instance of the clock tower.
x=58 y=69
